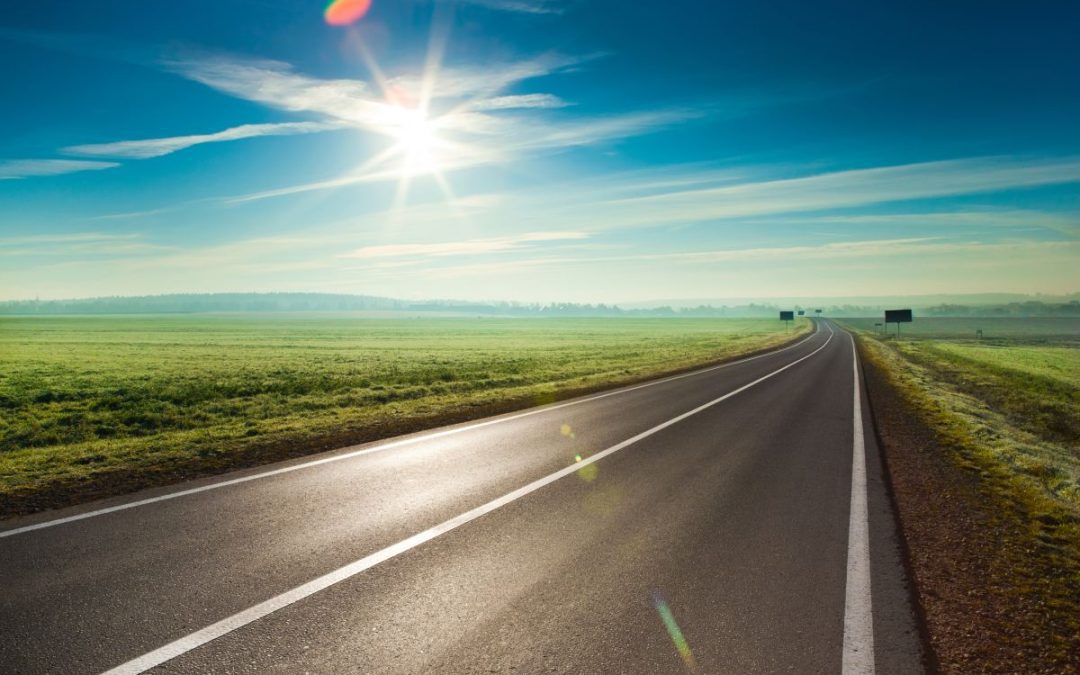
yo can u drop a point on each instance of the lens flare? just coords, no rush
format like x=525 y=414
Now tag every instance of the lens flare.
x=588 y=473
x=674 y=631
x=345 y=12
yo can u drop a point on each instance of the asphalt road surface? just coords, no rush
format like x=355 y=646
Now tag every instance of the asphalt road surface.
x=729 y=520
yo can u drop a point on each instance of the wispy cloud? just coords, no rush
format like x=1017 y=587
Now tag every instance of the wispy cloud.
x=1016 y=219
x=64 y=238
x=520 y=101
x=124 y=215
x=468 y=247
x=522 y=6
x=76 y=243
x=11 y=169
x=276 y=85
x=858 y=251
x=593 y=209
x=506 y=140
x=478 y=122
x=156 y=147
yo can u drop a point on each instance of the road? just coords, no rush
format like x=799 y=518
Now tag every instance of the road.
x=728 y=520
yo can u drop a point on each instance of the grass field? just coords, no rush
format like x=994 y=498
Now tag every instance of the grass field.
x=104 y=404
x=1012 y=330
x=1025 y=369
x=1006 y=408
x=1061 y=363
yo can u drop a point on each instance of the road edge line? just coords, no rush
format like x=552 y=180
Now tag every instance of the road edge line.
x=858 y=650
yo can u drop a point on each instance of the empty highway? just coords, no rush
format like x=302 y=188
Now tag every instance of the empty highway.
x=728 y=520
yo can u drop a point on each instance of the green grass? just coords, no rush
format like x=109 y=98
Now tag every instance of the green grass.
x=1031 y=377
x=1055 y=363
x=153 y=399
x=1009 y=330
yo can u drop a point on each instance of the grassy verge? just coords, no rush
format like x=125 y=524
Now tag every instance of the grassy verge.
x=97 y=406
x=991 y=502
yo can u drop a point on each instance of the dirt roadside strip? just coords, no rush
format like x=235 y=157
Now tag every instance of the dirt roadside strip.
x=992 y=597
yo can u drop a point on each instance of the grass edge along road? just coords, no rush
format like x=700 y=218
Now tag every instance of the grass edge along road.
x=312 y=385
x=988 y=501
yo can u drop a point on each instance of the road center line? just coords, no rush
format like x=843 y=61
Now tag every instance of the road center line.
x=240 y=619
x=382 y=446
x=858 y=658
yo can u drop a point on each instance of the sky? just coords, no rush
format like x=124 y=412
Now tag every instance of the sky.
x=540 y=150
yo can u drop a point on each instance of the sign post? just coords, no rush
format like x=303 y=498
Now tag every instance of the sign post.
x=787 y=317
x=898 y=316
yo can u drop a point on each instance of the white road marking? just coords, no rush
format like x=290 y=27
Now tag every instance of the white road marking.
x=247 y=616
x=858 y=658
x=378 y=448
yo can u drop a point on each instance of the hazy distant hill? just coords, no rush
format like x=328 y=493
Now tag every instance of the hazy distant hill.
x=327 y=302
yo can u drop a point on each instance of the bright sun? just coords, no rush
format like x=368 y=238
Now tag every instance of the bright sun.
x=416 y=141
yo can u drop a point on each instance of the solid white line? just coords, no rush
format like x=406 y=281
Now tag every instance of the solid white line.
x=247 y=616
x=858 y=656
x=381 y=447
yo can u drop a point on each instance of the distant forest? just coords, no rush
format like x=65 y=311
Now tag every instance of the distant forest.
x=326 y=302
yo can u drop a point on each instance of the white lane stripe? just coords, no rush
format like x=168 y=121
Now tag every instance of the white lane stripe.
x=247 y=616
x=381 y=447
x=858 y=656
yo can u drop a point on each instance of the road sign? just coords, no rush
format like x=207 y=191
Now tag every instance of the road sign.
x=898 y=316
x=787 y=316
x=817 y=311
x=802 y=312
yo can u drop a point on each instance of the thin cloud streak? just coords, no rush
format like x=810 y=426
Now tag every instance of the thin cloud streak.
x=546 y=101
x=851 y=188
x=64 y=238
x=991 y=218
x=457 y=248
x=612 y=206
x=14 y=169
x=77 y=243
x=157 y=147
x=519 y=6
x=850 y=250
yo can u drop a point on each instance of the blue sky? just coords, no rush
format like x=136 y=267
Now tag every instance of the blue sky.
x=540 y=150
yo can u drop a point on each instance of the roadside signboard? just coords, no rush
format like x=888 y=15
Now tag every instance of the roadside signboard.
x=787 y=316
x=898 y=316
x=802 y=312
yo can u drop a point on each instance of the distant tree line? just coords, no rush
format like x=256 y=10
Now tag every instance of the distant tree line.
x=1020 y=309
x=188 y=303
x=194 y=303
